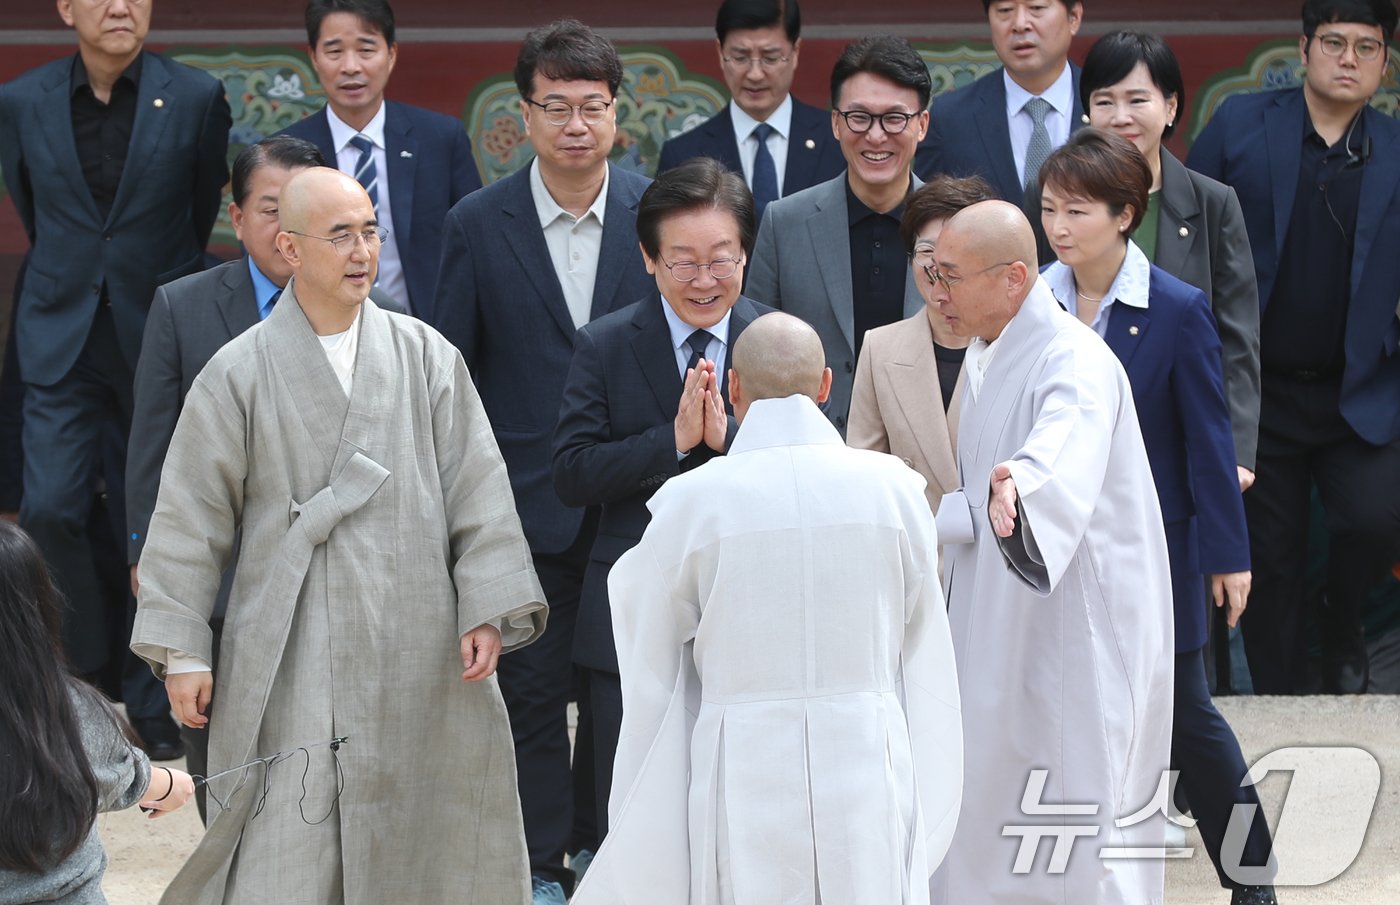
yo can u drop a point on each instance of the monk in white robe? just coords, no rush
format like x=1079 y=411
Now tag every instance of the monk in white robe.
x=1059 y=592
x=790 y=727
x=381 y=560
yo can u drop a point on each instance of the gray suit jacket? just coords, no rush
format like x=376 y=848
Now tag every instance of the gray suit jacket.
x=1202 y=240
x=802 y=265
x=190 y=319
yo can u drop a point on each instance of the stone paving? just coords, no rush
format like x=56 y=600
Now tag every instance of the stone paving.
x=145 y=853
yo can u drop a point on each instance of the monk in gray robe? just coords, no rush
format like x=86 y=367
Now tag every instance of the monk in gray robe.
x=1059 y=594
x=382 y=571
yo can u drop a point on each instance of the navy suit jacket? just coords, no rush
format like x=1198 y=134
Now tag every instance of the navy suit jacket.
x=500 y=303
x=1253 y=144
x=165 y=207
x=431 y=168
x=806 y=166
x=968 y=135
x=616 y=443
x=1171 y=352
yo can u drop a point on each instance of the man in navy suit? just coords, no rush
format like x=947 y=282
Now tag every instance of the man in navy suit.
x=526 y=262
x=115 y=159
x=646 y=400
x=778 y=143
x=1317 y=171
x=1004 y=125
x=414 y=163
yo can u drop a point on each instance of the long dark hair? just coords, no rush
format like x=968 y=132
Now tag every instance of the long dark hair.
x=48 y=795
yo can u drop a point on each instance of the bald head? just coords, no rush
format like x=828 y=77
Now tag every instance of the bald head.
x=779 y=355
x=987 y=254
x=993 y=231
x=313 y=194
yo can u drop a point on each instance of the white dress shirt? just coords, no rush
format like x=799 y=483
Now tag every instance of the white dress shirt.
x=1061 y=98
x=716 y=349
x=391 y=279
x=574 y=243
x=1130 y=287
x=781 y=121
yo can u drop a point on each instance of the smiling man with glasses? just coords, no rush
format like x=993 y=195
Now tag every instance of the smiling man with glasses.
x=832 y=254
x=645 y=398
x=526 y=262
x=344 y=453
x=1317 y=171
x=779 y=144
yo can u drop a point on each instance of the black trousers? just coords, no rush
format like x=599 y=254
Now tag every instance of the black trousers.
x=63 y=440
x=1210 y=764
x=1303 y=440
x=537 y=683
x=605 y=690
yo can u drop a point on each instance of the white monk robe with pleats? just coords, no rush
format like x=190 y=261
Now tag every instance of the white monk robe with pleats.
x=1063 y=631
x=377 y=525
x=790 y=727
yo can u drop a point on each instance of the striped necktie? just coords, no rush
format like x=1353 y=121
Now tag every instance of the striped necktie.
x=366 y=173
x=1039 y=147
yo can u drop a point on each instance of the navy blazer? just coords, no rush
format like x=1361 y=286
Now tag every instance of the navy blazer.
x=1253 y=144
x=431 y=168
x=813 y=154
x=1171 y=352
x=616 y=443
x=165 y=207
x=500 y=302
x=968 y=135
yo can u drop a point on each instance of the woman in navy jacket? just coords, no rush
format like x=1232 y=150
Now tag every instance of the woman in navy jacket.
x=1094 y=194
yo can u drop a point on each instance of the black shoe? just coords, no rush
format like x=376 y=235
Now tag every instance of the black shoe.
x=160 y=738
x=1253 y=895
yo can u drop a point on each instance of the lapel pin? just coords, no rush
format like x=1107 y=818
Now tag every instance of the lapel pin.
x=1133 y=330
x=811 y=144
x=159 y=102
x=405 y=153
x=1183 y=232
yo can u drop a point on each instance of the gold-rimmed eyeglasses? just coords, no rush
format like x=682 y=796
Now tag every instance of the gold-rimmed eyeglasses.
x=743 y=61
x=719 y=268
x=345 y=244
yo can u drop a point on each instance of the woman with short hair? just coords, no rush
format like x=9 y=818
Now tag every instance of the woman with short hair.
x=1094 y=195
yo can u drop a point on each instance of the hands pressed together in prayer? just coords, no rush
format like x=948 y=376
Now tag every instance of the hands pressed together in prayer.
x=1001 y=504
x=1231 y=590
x=701 y=416
x=1246 y=477
x=481 y=649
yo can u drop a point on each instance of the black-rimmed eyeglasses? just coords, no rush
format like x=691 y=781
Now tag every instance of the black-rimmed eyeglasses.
x=558 y=113
x=345 y=244
x=934 y=276
x=860 y=121
x=719 y=268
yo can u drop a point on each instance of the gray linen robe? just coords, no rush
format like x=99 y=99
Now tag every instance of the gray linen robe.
x=375 y=530
x=1063 y=631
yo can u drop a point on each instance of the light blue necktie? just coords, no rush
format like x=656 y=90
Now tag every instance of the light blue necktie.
x=1039 y=147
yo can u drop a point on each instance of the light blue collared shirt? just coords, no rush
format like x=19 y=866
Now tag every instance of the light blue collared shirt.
x=263 y=290
x=716 y=350
x=1130 y=287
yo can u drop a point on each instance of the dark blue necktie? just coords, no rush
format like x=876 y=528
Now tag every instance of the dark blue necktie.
x=366 y=173
x=765 y=173
x=698 y=341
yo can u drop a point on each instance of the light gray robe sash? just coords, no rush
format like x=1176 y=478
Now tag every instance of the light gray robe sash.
x=240 y=718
